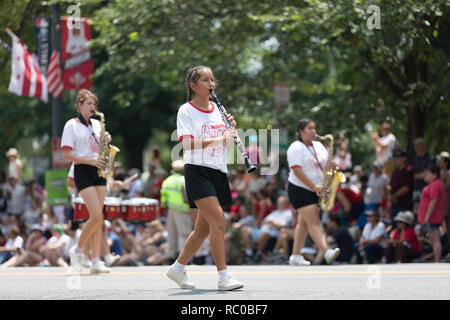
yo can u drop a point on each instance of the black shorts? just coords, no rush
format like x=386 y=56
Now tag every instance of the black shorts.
x=301 y=197
x=87 y=176
x=202 y=182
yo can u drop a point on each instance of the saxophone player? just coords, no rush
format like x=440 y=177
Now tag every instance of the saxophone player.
x=307 y=159
x=80 y=145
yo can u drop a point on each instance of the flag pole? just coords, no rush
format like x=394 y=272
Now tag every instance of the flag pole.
x=56 y=45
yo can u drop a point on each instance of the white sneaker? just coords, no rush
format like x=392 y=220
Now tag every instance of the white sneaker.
x=331 y=255
x=229 y=283
x=180 y=279
x=99 y=267
x=84 y=261
x=111 y=260
x=298 y=260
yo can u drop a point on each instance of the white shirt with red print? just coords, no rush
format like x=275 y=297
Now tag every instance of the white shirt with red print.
x=301 y=155
x=80 y=139
x=196 y=123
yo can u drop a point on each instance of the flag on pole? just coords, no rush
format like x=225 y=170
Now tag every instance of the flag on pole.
x=54 y=78
x=26 y=77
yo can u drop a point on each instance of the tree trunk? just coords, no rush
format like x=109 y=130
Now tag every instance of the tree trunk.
x=417 y=117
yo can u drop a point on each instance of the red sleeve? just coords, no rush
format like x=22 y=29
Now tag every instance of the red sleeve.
x=67 y=147
x=187 y=135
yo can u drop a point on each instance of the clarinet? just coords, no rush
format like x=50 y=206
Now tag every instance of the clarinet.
x=248 y=163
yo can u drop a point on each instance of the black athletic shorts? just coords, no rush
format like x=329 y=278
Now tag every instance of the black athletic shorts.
x=87 y=176
x=301 y=197
x=202 y=182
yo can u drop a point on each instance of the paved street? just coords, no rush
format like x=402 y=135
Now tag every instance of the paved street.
x=347 y=282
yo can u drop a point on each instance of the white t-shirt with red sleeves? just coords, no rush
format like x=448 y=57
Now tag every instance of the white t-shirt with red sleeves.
x=301 y=155
x=80 y=138
x=196 y=123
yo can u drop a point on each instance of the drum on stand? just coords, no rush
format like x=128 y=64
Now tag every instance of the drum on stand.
x=151 y=209
x=112 y=208
x=137 y=210
x=80 y=212
x=133 y=210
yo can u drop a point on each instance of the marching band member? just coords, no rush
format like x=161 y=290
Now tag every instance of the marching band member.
x=80 y=144
x=306 y=159
x=204 y=136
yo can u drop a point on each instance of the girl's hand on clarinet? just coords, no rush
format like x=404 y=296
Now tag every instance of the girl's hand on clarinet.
x=229 y=134
x=231 y=118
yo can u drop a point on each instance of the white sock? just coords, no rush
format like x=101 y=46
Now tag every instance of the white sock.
x=178 y=267
x=223 y=274
x=95 y=260
x=108 y=256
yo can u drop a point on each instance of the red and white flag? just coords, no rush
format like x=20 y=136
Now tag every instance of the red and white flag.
x=26 y=77
x=54 y=78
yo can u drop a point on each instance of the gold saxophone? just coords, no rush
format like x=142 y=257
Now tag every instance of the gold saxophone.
x=107 y=152
x=332 y=177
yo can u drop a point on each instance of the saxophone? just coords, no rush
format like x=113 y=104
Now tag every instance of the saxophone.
x=107 y=152
x=332 y=177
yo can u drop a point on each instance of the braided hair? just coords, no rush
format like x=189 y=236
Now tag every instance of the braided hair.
x=193 y=74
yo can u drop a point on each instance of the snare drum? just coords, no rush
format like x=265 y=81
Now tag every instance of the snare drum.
x=80 y=212
x=133 y=210
x=112 y=208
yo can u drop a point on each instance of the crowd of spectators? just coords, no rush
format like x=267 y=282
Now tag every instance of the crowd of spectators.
x=393 y=212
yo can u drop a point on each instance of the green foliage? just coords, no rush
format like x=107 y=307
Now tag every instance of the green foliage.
x=341 y=74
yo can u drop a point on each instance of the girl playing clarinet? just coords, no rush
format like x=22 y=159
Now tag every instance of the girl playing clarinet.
x=202 y=131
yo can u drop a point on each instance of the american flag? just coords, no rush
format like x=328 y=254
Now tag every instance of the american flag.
x=26 y=77
x=54 y=78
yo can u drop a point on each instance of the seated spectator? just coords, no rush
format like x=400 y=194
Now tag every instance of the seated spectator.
x=403 y=245
x=431 y=208
x=132 y=252
x=238 y=201
x=264 y=206
x=371 y=244
x=239 y=181
x=283 y=246
x=33 y=192
x=14 y=244
x=339 y=237
x=270 y=228
x=31 y=256
x=111 y=248
x=351 y=202
x=355 y=179
x=56 y=250
x=233 y=236
x=255 y=182
x=49 y=218
x=155 y=244
x=32 y=215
